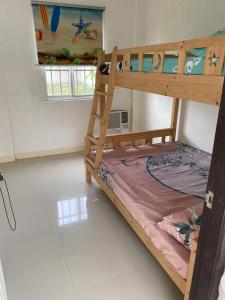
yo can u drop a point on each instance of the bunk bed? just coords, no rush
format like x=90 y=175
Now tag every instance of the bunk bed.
x=135 y=169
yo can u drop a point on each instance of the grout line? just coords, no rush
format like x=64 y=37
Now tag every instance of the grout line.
x=75 y=287
x=114 y=278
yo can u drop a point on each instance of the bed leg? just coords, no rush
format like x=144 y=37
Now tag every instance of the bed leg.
x=190 y=269
x=88 y=176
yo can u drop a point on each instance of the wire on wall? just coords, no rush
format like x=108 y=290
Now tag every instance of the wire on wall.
x=12 y=224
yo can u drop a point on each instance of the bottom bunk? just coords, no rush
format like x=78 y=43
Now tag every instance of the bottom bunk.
x=159 y=189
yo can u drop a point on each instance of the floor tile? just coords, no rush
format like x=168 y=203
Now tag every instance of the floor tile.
x=70 y=239
x=148 y=284
x=96 y=248
x=45 y=283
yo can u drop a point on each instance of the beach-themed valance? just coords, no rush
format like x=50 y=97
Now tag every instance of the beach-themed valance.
x=67 y=34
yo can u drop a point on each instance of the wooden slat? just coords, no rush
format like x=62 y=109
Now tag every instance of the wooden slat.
x=96 y=116
x=166 y=265
x=139 y=135
x=100 y=93
x=186 y=45
x=151 y=48
x=126 y=60
x=140 y=62
x=90 y=161
x=181 y=61
x=205 y=42
x=150 y=141
x=93 y=140
x=174 y=117
x=158 y=59
x=115 y=144
x=108 y=57
x=205 y=89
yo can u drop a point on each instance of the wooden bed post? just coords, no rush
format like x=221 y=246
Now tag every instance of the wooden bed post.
x=190 y=268
x=87 y=175
x=210 y=259
x=174 y=117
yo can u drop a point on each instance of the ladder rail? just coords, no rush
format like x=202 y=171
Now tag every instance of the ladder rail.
x=98 y=86
x=107 y=110
x=102 y=101
x=94 y=108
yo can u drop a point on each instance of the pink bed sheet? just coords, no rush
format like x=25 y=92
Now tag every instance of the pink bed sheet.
x=146 y=198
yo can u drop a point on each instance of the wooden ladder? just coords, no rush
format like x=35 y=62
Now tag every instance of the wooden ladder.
x=100 y=111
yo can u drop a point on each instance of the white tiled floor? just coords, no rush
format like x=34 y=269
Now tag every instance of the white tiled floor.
x=71 y=243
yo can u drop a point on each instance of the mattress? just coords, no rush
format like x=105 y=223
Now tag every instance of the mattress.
x=193 y=65
x=155 y=181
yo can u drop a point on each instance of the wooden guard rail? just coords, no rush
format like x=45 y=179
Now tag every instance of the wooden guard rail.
x=205 y=88
x=139 y=138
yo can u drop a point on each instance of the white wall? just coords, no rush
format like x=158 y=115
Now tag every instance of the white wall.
x=6 y=143
x=172 y=20
x=39 y=126
x=140 y=38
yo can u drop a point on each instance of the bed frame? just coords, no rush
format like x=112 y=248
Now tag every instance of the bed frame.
x=206 y=88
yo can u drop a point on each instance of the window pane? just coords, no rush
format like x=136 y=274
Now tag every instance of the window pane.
x=84 y=80
x=66 y=83
x=90 y=81
x=70 y=80
x=49 y=83
x=80 y=83
x=56 y=83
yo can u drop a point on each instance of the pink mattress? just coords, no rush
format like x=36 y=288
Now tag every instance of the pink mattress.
x=154 y=181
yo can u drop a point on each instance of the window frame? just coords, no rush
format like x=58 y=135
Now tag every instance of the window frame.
x=65 y=98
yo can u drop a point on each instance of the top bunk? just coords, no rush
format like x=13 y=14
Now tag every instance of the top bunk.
x=189 y=70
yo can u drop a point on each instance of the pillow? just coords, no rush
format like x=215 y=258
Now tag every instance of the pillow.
x=184 y=225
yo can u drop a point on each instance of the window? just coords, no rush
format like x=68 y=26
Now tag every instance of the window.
x=70 y=81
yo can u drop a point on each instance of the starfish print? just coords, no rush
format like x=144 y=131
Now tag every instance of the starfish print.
x=213 y=59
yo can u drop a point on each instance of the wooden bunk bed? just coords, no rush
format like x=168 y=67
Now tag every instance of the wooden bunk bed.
x=204 y=88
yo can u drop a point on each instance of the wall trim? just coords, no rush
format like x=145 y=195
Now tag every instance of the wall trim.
x=6 y=159
x=49 y=152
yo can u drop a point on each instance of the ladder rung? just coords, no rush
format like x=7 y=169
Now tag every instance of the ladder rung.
x=96 y=116
x=90 y=161
x=93 y=139
x=101 y=93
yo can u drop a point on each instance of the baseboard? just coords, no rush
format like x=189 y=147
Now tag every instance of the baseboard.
x=6 y=159
x=49 y=152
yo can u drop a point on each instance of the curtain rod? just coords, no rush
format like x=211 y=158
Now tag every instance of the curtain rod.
x=69 y=5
